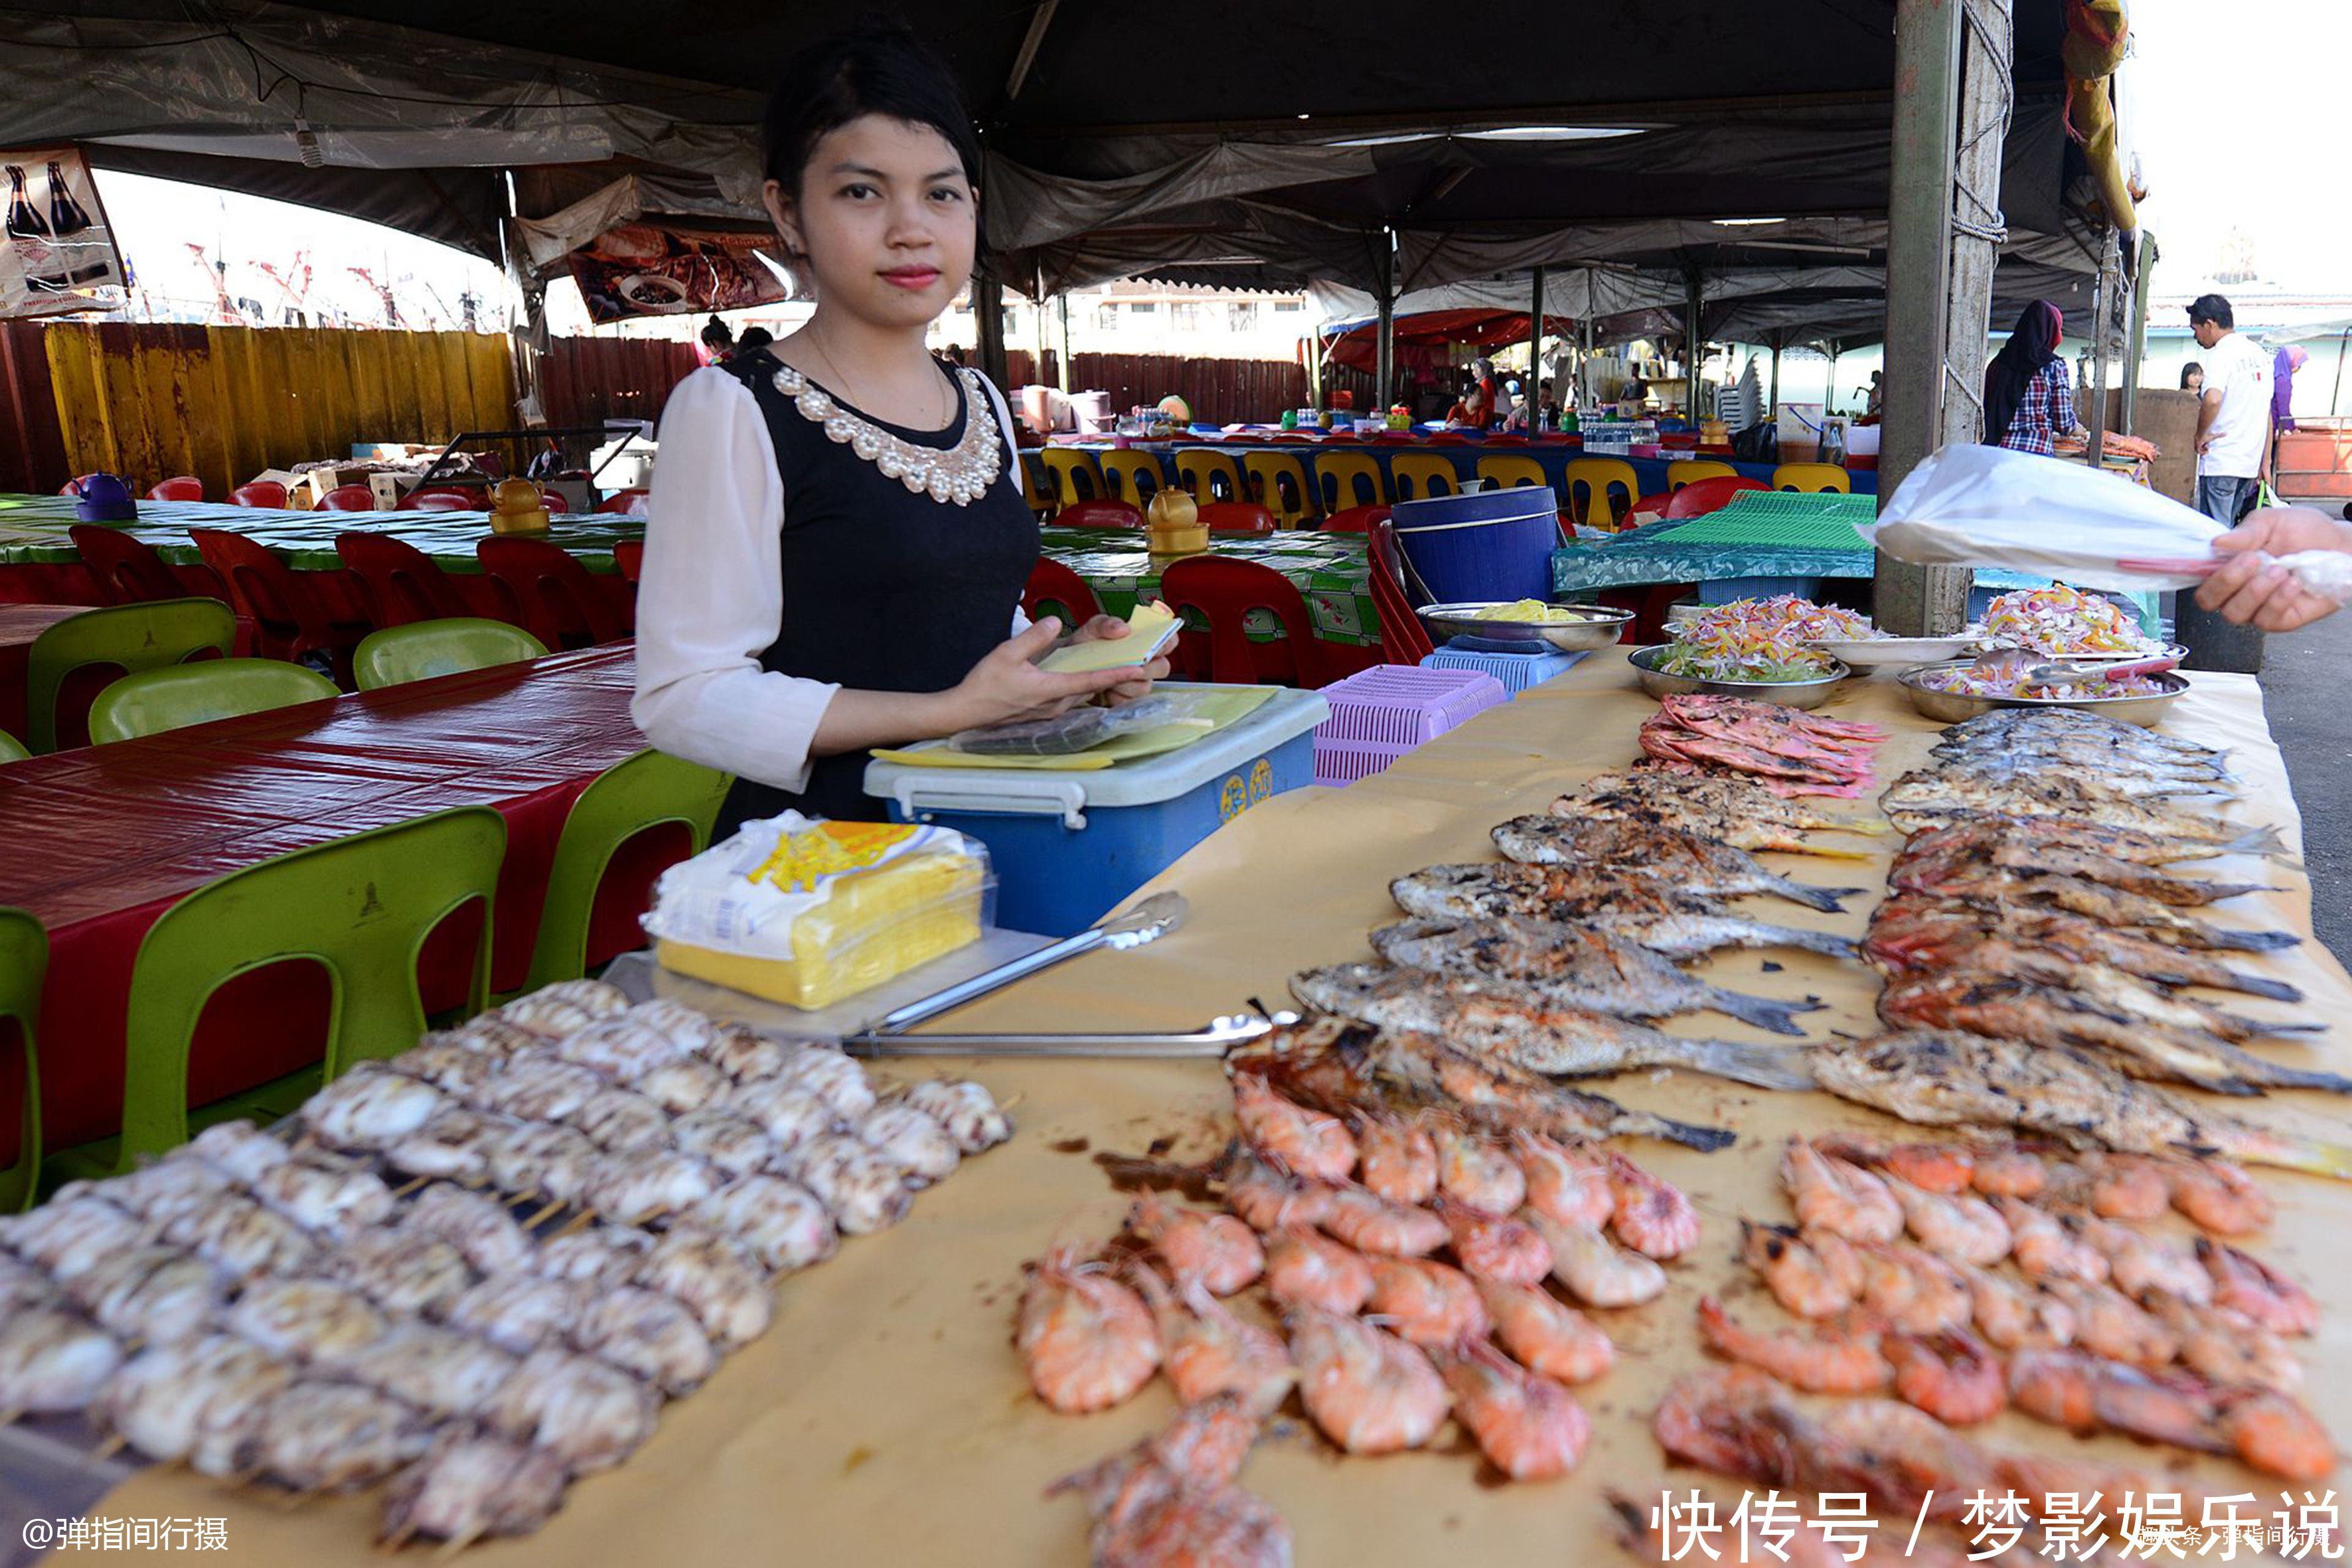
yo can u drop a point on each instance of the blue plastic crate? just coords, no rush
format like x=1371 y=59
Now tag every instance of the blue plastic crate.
x=1517 y=671
x=1068 y=847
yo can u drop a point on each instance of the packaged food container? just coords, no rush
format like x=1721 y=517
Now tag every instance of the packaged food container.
x=806 y=912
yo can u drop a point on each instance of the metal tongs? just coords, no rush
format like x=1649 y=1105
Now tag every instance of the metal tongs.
x=2031 y=670
x=1154 y=917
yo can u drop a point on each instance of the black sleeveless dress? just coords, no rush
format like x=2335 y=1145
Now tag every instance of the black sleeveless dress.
x=885 y=589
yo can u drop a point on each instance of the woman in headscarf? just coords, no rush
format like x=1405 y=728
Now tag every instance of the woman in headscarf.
x=2028 y=396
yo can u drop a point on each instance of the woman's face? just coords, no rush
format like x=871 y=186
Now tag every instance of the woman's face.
x=886 y=220
x=2195 y=381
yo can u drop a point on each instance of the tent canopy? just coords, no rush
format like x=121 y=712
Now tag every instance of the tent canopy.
x=1355 y=343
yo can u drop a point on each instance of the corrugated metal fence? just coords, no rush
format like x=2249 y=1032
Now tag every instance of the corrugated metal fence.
x=151 y=400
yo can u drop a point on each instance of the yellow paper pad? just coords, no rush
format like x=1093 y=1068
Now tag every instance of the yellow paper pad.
x=1151 y=628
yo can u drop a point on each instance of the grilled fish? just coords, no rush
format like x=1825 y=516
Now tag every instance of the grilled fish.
x=2154 y=1037
x=1938 y=856
x=1677 y=935
x=2109 y=906
x=1650 y=910
x=2123 y=778
x=1916 y=933
x=1577 y=965
x=1715 y=871
x=1338 y=1065
x=2027 y=723
x=2096 y=756
x=1918 y=801
x=1725 y=808
x=1501 y=1020
x=2118 y=843
x=1935 y=1077
x=1994 y=957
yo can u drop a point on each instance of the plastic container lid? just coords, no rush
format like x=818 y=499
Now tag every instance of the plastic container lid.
x=1472 y=508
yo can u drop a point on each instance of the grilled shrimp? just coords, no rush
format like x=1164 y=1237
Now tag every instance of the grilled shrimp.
x=1208 y=1352
x=1843 y=1199
x=1530 y=1427
x=1427 y=1304
x=1913 y=1289
x=1824 y=1362
x=1303 y=1266
x=1372 y=1223
x=2047 y=1247
x=2219 y=1196
x=1305 y=1142
x=2228 y=1348
x=2016 y=1315
x=1494 y=1247
x=1652 y=1217
x=2129 y=1186
x=1400 y=1161
x=2244 y=1283
x=1951 y=1375
x=2145 y=1266
x=1597 y=1273
x=1545 y=1333
x=1268 y=1198
x=1957 y=1226
x=1367 y=1390
x=1813 y=1276
x=1568 y=1184
x=2111 y=1324
x=1475 y=1172
x=2084 y=1394
x=1216 y=1250
x=1087 y=1340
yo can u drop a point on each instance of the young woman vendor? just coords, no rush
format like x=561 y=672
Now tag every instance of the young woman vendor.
x=838 y=541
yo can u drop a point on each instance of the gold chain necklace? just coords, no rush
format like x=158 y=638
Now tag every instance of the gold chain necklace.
x=962 y=473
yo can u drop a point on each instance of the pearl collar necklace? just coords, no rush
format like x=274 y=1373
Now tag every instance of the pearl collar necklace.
x=962 y=474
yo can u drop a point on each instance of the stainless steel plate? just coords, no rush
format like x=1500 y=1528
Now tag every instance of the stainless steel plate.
x=1788 y=693
x=1580 y=629
x=1951 y=706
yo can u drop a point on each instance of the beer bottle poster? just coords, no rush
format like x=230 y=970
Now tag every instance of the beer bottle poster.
x=55 y=244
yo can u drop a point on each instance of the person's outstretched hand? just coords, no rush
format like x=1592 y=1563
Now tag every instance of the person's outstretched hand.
x=2252 y=591
x=1137 y=682
x=1006 y=685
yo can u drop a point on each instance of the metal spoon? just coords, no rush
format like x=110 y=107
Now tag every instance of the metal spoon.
x=1220 y=1035
x=2012 y=664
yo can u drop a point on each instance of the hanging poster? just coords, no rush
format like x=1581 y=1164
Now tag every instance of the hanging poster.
x=56 y=248
x=659 y=269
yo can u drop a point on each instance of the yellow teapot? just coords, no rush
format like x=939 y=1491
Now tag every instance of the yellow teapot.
x=1173 y=522
x=517 y=507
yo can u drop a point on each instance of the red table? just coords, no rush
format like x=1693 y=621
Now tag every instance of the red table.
x=101 y=840
x=19 y=625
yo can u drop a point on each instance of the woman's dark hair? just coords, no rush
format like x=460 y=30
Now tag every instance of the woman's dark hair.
x=714 y=333
x=2032 y=343
x=875 y=67
x=753 y=339
x=2191 y=368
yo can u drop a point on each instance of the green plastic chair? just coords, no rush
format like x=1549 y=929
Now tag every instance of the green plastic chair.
x=362 y=907
x=423 y=649
x=647 y=791
x=12 y=750
x=157 y=700
x=23 y=960
x=132 y=637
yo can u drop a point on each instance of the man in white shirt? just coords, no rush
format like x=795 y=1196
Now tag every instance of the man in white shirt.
x=2234 y=413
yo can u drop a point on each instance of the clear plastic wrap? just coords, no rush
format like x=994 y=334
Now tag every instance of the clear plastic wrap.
x=1080 y=728
x=1987 y=506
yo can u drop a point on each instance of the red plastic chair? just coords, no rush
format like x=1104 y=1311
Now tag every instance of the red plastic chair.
x=550 y=594
x=1656 y=501
x=1054 y=590
x=1223 y=591
x=182 y=487
x=1099 y=514
x=265 y=493
x=441 y=500
x=1236 y=517
x=399 y=584
x=1354 y=519
x=629 y=559
x=623 y=503
x=127 y=571
x=1404 y=637
x=348 y=497
x=1703 y=496
x=1506 y=440
x=286 y=618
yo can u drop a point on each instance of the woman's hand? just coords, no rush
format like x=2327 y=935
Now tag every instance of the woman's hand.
x=2252 y=591
x=1137 y=682
x=1007 y=686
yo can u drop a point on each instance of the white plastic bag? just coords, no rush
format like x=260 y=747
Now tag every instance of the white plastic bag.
x=1988 y=506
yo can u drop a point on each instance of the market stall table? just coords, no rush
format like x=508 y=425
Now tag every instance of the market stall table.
x=100 y=841
x=885 y=1418
x=20 y=625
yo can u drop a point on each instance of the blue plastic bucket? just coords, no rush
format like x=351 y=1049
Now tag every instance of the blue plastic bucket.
x=1489 y=544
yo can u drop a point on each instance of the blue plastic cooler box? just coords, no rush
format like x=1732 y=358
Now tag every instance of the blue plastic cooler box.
x=1066 y=848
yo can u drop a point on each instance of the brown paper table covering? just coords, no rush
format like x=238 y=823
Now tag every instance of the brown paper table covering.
x=885 y=1419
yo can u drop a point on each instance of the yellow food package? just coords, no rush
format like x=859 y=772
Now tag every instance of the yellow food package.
x=805 y=911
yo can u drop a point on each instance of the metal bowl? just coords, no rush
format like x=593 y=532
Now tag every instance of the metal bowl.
x=1788 y=693
x=1952 y=707
x=1580 y=629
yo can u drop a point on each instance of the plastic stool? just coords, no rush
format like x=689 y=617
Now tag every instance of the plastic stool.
x=1384 y=713
x=1517 y=671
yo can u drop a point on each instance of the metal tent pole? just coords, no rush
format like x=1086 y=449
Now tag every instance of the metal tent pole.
x=1773 y=409
x=988 y=313
x=1693 y=344
x=2103 y=303
x=1384 y=351
x=2136 y=346
x=1062 y=369
x=1535 y=350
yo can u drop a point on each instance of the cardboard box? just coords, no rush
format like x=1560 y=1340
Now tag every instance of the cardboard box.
x=292 y=481
x=317 y=482
x=388 y=491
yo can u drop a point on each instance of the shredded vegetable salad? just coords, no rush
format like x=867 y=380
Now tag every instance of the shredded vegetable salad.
x=1788 y=618
x=2059 y=621
x=1971 y=682
x=1759 y=639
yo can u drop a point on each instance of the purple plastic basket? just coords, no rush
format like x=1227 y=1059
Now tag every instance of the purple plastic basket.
x=1383 y=713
